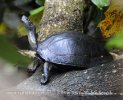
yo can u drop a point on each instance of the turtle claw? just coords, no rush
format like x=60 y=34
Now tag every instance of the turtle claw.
x=44 y=79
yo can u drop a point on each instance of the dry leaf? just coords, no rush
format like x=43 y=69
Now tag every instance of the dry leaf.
x=113 y=23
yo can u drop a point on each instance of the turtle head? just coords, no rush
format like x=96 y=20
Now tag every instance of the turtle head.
x=28 y=23
x=32 y=32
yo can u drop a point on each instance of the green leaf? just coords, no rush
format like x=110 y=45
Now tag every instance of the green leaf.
x=37 y=10
x=9 y=52
x=101 y=3
x=116 y=41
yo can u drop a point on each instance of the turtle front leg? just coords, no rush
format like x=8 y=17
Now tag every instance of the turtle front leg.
x=45 y=75
x=33 y=66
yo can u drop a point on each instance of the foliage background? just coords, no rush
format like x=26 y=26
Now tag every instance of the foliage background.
x=12 y=31
x=13 y=35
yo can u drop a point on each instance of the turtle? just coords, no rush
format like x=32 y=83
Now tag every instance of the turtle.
x=73 y=49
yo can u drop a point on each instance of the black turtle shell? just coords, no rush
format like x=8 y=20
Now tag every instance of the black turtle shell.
x=72 y=48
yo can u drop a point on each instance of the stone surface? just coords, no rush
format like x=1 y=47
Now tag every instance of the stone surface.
x=104 y=78
x=103 y=82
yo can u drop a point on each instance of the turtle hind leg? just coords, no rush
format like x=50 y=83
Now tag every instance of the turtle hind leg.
x=45 y=74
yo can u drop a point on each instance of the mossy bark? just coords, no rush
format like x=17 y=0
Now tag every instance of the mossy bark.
x=61 y=15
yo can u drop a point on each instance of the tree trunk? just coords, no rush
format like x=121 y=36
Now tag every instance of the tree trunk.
x=61 y=15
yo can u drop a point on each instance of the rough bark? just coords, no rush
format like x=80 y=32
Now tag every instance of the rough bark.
x=61 y=15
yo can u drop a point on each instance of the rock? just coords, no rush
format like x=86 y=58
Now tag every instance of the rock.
x=103 y=82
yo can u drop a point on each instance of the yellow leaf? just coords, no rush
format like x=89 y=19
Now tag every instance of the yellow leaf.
x=113 y=23
x=3 y=28
x=118 y=3
x=22 y=31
